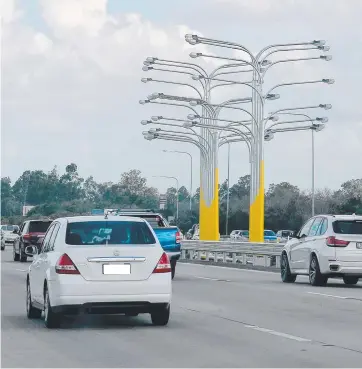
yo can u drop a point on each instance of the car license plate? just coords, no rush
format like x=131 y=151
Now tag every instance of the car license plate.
x=359 y=245
x=114 y=269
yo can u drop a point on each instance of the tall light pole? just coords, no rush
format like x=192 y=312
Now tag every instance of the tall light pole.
x=313 y=175
x=228 y=194
x=187 y=153
x=177 y=188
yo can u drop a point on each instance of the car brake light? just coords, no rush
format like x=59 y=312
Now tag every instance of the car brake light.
x=163 y=265
x=332 y=241
x=26 y=236
x=178 y=237
x=65 y=265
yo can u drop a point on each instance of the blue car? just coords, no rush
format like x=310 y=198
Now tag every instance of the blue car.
x=270 y=236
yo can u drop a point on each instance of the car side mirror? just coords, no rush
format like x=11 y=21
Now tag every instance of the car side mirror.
x=31 y=250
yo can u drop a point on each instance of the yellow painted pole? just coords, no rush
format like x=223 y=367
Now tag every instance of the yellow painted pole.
x=209 y=215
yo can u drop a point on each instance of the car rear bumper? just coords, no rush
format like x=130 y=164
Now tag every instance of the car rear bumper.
x=75 y=290
x=174 y=255
x=345 y=268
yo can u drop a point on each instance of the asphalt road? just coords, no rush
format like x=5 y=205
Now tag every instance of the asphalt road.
x=220 y=318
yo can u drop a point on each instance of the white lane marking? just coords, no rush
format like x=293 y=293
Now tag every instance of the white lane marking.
x=21 y=270
x=228 y=268
x=213 y=279
x=276 y=333
x=326 y=295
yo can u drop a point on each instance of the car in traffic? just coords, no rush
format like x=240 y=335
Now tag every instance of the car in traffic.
x=270 y=236
x=169 y=236
x=239 y=235
x=327 y=246
x=31 y=232
x=126 y=272
x=8 y=235
x=284 y=235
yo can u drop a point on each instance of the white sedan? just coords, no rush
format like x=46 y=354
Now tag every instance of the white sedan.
x=124 y=272
x=327 y=246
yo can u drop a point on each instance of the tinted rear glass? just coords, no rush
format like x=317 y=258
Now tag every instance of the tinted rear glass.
x=39 y=226
x=109 y=233
x=347 y=226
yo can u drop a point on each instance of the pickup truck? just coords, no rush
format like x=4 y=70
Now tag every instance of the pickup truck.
x=169 y=236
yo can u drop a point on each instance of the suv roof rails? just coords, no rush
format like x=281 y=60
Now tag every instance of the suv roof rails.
x=135 y=211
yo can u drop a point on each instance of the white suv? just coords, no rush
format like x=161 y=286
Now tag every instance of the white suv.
x=327 y=246
x=99 y=265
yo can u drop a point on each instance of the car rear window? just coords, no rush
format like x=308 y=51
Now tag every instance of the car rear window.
x=269 y=233
x=245 y=233
x=109 y=233
x=347 y=226
x=39 y=226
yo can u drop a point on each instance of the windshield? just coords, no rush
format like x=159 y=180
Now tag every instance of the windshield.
x=39 y=226
x=245 y=233
x=287 y=233
x=109 y=233
x=347 y=226
x=269 y=233
x=9 y=228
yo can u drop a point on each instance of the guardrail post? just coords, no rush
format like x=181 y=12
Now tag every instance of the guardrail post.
x=277 y=261
x=192 y=254
x=224 y=257
x=234 y=257
x=207 y=256
x=244 y=259
x=183 y=254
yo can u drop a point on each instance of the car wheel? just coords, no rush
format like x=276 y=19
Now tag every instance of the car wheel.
x=31 y=311
x=173 y=269
x=161 y=316
x=350 y=280
x=51 y=319
x=2 y=248
x=23 y=258
x=287 y=276
x=15 y=255
x=316 y=278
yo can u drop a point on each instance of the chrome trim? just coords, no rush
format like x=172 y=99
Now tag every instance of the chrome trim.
x=116 y=259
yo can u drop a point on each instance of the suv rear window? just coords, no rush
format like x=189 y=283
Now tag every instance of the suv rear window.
x=347 y=226
x=108 y=233
x=39 y=226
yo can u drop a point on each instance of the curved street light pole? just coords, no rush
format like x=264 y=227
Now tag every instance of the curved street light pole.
x=177 y=189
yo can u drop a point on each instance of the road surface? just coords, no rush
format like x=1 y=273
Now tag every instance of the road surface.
x=220 y=318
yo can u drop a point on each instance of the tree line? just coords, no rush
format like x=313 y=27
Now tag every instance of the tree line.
x=55 y=195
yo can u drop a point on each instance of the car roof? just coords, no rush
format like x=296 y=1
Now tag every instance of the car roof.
x=99 y=218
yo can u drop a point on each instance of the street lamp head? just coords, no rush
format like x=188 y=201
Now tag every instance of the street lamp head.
x=274 y=118
x=325 y=106
x=326 y=57
x=195 y=55
x=156 y=118
x=143 y=102
x=324 y=48
x=194 y=103
x=319 y=42
x=318 y=127
x=322 y=119
x=146 y=68
x=265 y=63
x=329 y=81
x=193 y=116
x=151 y=59
x=145 y=122
x=196 y=77
x=154 y=130
x=269 y=136
x=192 y=39
x=272 y=96
x=145 y=80
x=147 y=63
x=154 y=96
x=189 y=124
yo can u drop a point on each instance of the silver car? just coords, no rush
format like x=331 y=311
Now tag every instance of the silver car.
x=327 y=246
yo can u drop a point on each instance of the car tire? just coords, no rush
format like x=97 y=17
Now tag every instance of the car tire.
x=350 y=280
x=31 y=311
x=173 y=269
x=286 y=275
x=15 y=255
x=23 y=258
x=161 y=316
x=316 y=278
x=51 y=319
x=2 y=248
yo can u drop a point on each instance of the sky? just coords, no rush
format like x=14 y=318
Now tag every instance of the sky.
x=71 y=80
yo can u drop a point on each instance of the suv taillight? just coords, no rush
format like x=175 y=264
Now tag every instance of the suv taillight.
x=65 y=265
x=163 y=265
x=178 y=237
x=332 y=241
x=26 y=237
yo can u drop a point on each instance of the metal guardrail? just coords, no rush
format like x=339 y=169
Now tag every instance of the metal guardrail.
x=245 y=253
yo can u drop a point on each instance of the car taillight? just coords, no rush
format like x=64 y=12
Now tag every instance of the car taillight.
x=65 y=265
x=163 y=265
x=178 y=237
x=332 y=241
x=26 y=237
